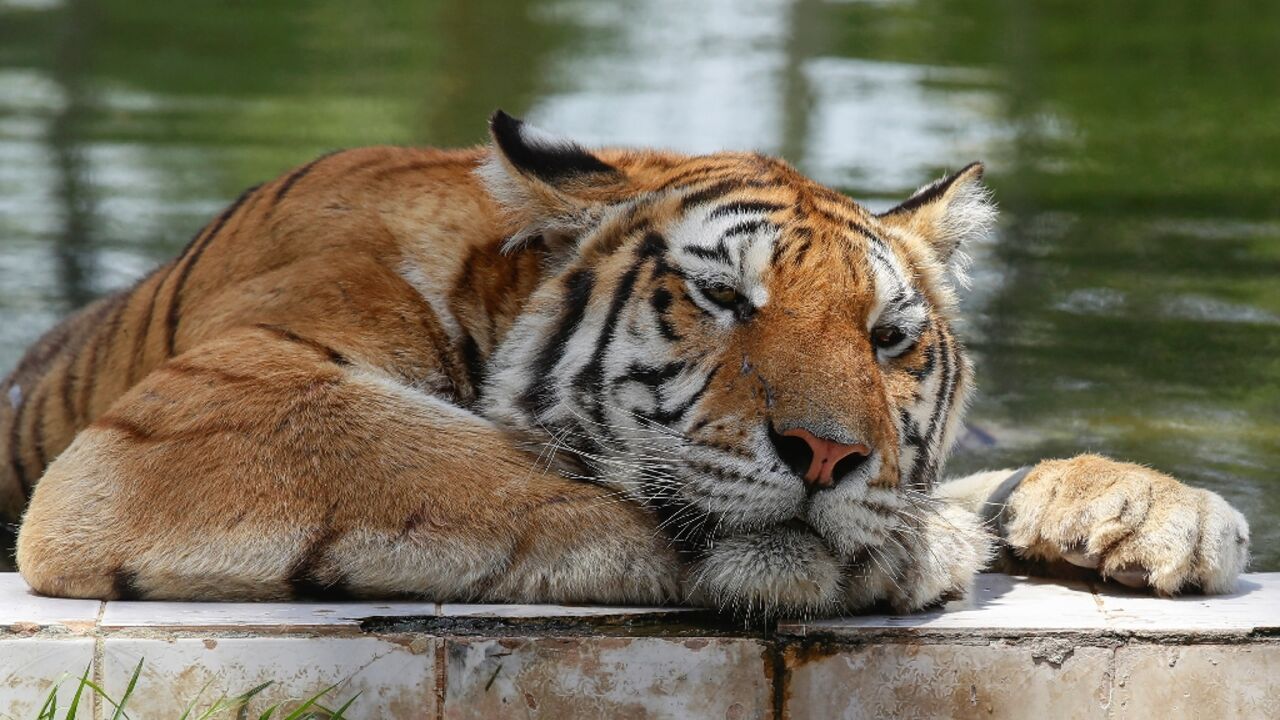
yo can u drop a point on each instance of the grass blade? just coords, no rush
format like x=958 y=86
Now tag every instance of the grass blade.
x=49 y=710
x=75 y=699
x=241 y=701
x=128 y=691
x=103 y=694
x=192 y=705
x=298 y=713
x=340 y=713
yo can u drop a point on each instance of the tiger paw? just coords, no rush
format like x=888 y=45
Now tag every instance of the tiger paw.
x=1130 y=523
x=768 y=573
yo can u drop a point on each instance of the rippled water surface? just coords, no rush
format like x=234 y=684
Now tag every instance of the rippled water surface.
x=1130 y=303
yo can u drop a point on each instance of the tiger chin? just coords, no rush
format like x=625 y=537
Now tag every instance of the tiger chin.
x=532 y=372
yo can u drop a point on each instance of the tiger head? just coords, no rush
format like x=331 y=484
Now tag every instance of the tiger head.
x=756 y=357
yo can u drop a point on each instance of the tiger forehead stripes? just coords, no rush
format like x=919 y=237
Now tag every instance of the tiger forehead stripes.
x=532 y=372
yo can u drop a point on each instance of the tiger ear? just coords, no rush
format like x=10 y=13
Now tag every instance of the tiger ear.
x=548 y=186
x=948 y=214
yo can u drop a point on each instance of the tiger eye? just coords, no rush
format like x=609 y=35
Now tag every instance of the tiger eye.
x=886 y=337
x=722 y=295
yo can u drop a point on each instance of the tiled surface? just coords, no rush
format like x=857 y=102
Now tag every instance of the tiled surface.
x=1016 y=646
x=997 y=601
x=29 y=667
x=257 y=615
x=1203 y=681
x=1255 y=606
x=595 y=677
x=1004 y=603
x=947 y=681
x=23 y=611
x=394 y=680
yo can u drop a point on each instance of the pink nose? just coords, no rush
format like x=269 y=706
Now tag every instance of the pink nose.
x=826 y=453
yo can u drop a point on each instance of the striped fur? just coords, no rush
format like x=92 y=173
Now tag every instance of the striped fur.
x=525 y=373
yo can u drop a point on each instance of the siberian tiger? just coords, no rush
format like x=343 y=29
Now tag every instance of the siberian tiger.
x=532 y=372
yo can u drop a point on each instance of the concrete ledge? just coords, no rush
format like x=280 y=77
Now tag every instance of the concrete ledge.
x=1017 y=646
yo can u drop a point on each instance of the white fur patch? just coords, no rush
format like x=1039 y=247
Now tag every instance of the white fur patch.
x=748 y=262
x=432 y=291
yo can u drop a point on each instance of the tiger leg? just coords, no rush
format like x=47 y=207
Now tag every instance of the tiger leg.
x=266 y=466
x=1127 y=522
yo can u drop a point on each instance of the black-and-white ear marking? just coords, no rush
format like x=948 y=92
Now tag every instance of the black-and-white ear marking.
x=540 y=154
x=949 y=213
x=934 y=191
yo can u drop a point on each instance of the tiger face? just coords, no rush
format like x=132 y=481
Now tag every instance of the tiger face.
x=759 y=359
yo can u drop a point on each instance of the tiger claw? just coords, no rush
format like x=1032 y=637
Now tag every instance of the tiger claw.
x=1078 y=557
x=1130 y=577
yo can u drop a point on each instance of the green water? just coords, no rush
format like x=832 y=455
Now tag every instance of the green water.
x=1129 y=305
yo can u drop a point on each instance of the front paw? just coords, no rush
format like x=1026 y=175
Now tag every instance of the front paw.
x=1132 y=524
x=768 y=573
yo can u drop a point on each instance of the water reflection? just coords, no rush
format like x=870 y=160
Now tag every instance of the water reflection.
x=1129 y=305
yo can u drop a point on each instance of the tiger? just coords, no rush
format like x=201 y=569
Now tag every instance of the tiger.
x=530 y=371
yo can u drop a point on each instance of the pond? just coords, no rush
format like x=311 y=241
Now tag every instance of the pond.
x=1130 y=303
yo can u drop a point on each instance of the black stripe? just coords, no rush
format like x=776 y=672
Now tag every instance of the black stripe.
x=910 y=430
x=742 y=207
x=539 y=395
x=90 y=377
x=144 y=327
x=928 y=193
x=796 y=234
x=930 y=361
x=851 y=224
x=694 y=176
x=66 y=392
x=82 y=384
x=654 y=245
x=589 y=380
x=699 y=425
x=651 y=376
x=294 y=177
x=286 y=334
x=37 y=426
x=718 y=253
x=927 y=462
x=747 y=226
x=661 y=302
x=124 y=585
x=689 y=299
x=776 y=255
x=802 y=251
x=716 y=191
x=16 y=466
x=304 y=577
x=667 y=417
x=474 y=364
x=192 y=256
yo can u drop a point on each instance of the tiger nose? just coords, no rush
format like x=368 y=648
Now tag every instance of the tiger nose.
x=826 y=453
